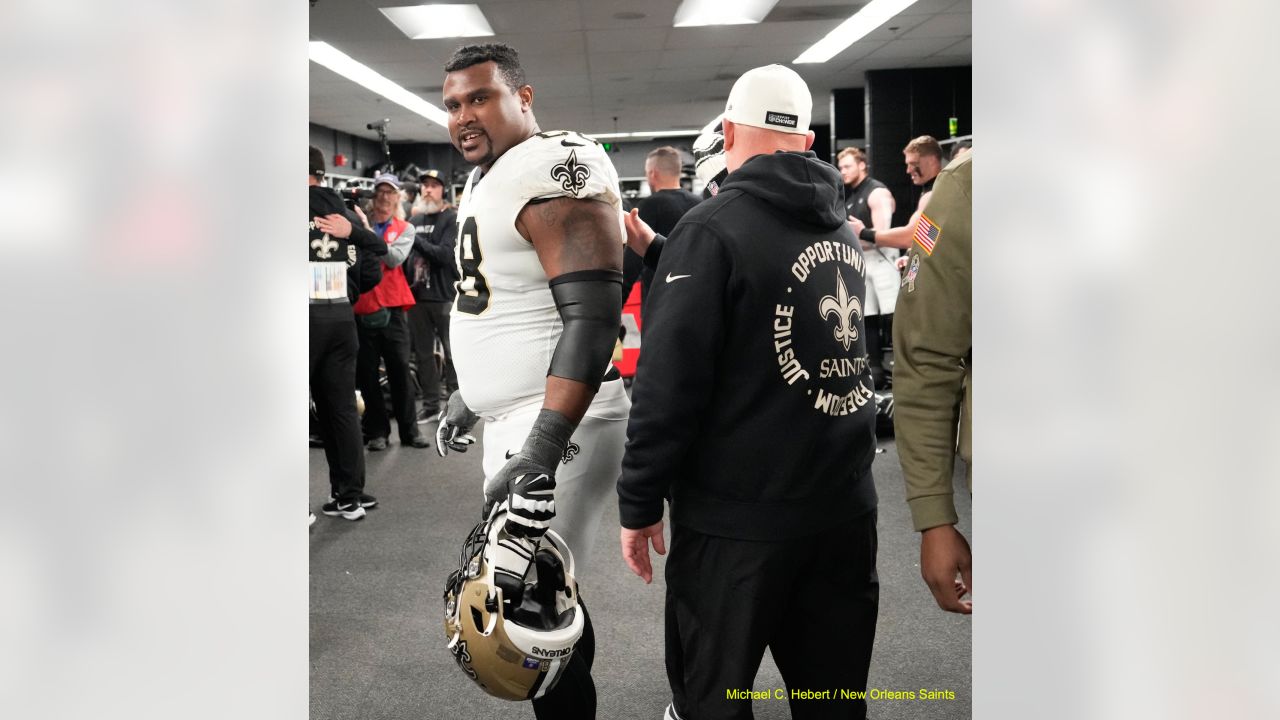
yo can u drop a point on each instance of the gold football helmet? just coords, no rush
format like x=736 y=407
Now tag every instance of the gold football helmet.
x=511 y=610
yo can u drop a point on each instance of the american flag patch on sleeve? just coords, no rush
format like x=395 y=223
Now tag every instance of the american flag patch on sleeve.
x=927 y=234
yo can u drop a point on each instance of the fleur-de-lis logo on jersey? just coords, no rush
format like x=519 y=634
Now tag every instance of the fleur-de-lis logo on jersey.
x=845 y=308
x=572 y=176
x=324 y=246
x=570 y=450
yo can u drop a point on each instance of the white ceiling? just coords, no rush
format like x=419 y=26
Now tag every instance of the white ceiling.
x=587 y=66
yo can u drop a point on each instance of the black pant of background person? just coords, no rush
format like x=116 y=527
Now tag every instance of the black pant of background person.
x=879 y=338
x=428 y=321
x=391 y=345
x=333 y=387
x=812 y=601
x=574 y=696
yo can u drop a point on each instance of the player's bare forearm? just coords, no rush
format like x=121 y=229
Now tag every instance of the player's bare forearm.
x=899 y=237
x=568 y=397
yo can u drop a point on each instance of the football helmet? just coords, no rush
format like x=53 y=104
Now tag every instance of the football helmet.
x=708 y=157
x=511 y=609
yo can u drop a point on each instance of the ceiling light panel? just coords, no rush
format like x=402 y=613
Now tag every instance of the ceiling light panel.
x=693 y=13
x=324 y=54
x=871 y=16
x=421 y=22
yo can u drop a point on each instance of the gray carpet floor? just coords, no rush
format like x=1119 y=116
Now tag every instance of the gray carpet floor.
x=377 y=634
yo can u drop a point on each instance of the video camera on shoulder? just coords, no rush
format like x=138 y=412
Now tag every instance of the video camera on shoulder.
x=352 y=195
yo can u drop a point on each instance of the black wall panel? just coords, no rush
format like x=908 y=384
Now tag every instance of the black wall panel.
x=903 y=104
x=357 y=149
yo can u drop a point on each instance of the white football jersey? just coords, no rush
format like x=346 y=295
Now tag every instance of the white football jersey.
x=504 y=325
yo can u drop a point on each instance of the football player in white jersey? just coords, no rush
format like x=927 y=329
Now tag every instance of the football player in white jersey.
x=539 y=304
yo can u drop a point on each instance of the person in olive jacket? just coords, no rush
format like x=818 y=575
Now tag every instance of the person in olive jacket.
x=933 y=384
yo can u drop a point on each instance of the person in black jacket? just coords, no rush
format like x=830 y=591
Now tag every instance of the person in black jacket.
x=668 y=203
x=753 y=414
x=432 y=271
x=344 y=259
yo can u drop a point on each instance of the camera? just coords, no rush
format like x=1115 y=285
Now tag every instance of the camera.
x=353 y=195
x=381 y=125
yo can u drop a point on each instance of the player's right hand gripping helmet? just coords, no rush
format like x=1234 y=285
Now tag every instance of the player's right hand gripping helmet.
x=511 y=610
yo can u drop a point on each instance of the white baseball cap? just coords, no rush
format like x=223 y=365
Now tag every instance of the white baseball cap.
x=772 y=97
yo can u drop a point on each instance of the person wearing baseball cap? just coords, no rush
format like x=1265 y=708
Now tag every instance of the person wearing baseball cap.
x=344 y=260
x=752 y=412
x=432 y=271
x=384 y=329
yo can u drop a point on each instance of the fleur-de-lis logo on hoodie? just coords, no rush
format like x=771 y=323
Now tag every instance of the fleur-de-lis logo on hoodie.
x=572 y=176
x=324 y=246
x=845 y=308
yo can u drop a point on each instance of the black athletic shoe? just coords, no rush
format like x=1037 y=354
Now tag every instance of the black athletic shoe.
x=377 y=444
x=418 y=441
x=351 y=511
x=366 y=501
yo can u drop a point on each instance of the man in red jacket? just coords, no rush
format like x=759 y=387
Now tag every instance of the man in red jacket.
x=383 y=329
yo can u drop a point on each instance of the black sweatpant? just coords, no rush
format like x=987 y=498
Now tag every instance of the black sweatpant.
x=812 y=601
x=333 y=387
x=391 y=345
x=428 y=321
x=574 y=696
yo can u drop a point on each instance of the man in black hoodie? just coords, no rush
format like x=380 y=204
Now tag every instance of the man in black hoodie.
x=343 y=257
x=432 y=271
x=753 y=414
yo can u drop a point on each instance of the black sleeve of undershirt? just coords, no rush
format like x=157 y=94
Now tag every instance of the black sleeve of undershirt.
x=654 y=253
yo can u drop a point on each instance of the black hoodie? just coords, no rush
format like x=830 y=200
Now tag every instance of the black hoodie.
x=752 y=408
x=433 y=250
x=364 y=268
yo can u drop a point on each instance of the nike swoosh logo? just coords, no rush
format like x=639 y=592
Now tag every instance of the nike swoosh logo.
x=510 y=454
x=672 y=278
x=566 y=143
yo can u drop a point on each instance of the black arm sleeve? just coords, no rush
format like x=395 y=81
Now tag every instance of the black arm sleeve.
x=654 y=252
x=590 y=304
x=685 y=323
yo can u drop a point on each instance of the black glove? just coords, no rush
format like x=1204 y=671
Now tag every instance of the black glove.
x=529 y=477
x=530 y=505
x=456 y=423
